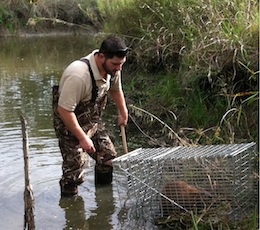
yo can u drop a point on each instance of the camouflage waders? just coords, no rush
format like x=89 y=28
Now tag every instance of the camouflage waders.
x=88 y=115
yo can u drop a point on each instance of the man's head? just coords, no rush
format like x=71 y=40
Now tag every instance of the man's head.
x=113 y=46
x=112 y=54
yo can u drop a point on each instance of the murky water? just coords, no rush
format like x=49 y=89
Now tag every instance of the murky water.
x=29 y=67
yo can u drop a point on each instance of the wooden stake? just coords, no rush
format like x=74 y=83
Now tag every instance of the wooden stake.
x=124 y=139
x=28 y=193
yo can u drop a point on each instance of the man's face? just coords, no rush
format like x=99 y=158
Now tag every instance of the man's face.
x=112 y=65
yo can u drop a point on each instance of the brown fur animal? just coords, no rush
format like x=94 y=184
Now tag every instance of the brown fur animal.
x=185 y=195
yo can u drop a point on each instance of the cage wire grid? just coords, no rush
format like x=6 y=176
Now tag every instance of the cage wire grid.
x=162 y=181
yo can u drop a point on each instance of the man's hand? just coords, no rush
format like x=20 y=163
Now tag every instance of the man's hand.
x=71 y=122
x=87 y=144
x=122 y=120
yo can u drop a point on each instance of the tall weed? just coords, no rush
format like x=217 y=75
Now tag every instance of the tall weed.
x=208 y=47
x=206 y=34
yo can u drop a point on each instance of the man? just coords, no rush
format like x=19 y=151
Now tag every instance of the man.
x=77 y=106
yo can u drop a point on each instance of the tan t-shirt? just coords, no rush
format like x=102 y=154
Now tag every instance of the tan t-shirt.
x=76 y=84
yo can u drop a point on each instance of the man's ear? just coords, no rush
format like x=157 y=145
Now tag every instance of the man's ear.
x=101 y=56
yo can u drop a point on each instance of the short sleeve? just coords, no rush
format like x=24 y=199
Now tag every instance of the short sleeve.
x=71 y=93
x=116 y=83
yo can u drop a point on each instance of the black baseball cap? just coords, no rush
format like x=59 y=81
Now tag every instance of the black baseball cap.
x=113 y=46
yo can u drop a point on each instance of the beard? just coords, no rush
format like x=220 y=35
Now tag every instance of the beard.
x=104 y=65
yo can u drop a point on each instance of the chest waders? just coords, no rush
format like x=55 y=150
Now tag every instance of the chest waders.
x=88 y=115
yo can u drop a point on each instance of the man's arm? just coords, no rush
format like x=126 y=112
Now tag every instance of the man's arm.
x=71 y=122
x=119 y=99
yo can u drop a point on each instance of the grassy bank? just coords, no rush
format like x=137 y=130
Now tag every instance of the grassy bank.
x=201 y=58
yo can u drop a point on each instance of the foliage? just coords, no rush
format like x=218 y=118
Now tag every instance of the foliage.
x=26 y=14
x=207 y=221
x=13 y=13
x=207 y=35
x=211 y=38
x=207 y=55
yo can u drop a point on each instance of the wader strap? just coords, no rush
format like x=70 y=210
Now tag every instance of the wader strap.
x=94 y=85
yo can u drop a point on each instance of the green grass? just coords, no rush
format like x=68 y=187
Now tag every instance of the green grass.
x=202 y=54
x=205 y=221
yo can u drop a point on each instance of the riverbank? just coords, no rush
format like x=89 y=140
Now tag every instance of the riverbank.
x=39 y=30
x=20 y=18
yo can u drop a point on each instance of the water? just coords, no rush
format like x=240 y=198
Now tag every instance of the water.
x=29 y=67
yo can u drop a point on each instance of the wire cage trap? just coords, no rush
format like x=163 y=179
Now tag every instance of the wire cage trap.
x=164 y=181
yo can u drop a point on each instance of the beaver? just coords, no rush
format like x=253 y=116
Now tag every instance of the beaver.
x=188 y=197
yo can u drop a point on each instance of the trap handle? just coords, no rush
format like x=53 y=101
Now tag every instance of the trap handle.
x=124 y=139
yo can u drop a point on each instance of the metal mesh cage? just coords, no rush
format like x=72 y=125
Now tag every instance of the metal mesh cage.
x=163 y=181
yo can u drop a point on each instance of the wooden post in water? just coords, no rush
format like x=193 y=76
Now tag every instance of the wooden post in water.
x=28 y=193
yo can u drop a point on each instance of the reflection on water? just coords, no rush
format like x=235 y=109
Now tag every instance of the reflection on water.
x=74 y=209
x=105 y=208
x=29 y=67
